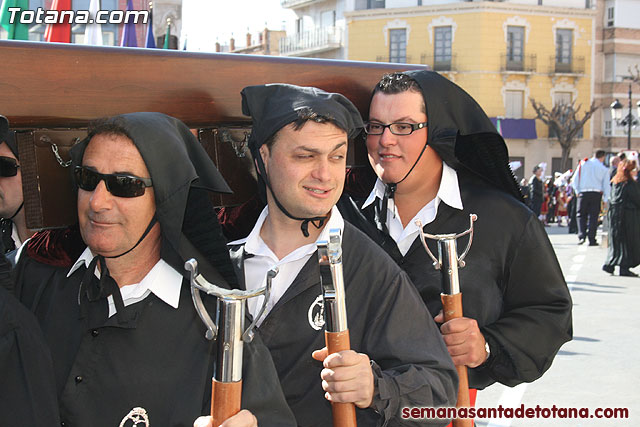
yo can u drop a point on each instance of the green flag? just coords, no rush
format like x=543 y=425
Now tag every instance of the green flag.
x=16 y=30
x=167 y=36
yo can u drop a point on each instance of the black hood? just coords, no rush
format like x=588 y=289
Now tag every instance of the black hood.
x=462 y=134
x=273 y=106
x=8 y=136
x=179 y=167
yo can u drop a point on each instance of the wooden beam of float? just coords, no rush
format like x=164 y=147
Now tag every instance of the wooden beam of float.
x=66 y=85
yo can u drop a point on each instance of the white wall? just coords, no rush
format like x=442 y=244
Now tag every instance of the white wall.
x=627 y=14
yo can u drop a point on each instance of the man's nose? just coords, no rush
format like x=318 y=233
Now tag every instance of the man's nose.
x=101 y=198
x=321 y=170
x=387 y=138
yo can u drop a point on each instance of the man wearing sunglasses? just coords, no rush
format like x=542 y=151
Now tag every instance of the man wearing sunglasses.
x=397 y=359
x=438 y=159
x=116 y=308
x=12 y=220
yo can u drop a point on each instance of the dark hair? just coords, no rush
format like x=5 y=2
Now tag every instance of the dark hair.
x=107 y=126
x=394 y=83
x=304 y=115
x=624 y=171
x=600 y=154
x=536 y=168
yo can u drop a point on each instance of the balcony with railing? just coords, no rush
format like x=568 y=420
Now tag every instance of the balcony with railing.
x=446 y=63
x=519 y=64
x=311 y=42
x=294 y=4
x=566 y=65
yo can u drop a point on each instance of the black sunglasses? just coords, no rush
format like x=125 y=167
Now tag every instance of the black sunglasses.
x=117 y=184
x=8 y=166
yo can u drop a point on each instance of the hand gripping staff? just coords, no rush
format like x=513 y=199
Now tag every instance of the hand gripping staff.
x=448 y=263
x=226 y=385
x=335 y=314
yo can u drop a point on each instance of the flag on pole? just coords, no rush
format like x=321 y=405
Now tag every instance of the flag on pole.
x=61 y=32
x=151 y=39
x=93 y=32
x=167 y=35
x=15 y=30
x=129 y=38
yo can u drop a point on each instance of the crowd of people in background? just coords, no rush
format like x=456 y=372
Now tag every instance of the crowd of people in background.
x=592 y=194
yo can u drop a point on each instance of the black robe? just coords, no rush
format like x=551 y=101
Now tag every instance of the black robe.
x=27 y=386
x=512 y=283
x=157 y=358
x=386 y=321
x=624 y=225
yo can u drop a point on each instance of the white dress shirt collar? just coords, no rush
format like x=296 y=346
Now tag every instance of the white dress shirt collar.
x=257 y=266
x=448 y=192
x=162 y=280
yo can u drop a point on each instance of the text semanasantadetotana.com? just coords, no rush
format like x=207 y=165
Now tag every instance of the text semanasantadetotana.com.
x=518 y=412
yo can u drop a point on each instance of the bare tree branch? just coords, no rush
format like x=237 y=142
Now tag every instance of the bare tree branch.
x=564 y=122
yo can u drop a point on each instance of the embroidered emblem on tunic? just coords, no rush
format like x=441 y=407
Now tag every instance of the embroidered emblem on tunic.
x=138 y=416
x=316 y=313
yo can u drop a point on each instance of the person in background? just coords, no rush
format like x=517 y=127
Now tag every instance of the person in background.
x=13 y=224
x=536 y=191
x=624 y=221
x=591 y=182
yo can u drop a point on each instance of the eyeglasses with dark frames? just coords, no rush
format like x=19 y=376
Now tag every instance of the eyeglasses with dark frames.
x=8 y=167
x=119 y=185
x=375 y=128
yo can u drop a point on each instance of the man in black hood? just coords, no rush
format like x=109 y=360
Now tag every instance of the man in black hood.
x=439 y=159
x=397 y=359
x=12 y=219
x=124 y=335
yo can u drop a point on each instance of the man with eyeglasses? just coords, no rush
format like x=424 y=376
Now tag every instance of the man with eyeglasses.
x=397 y=359
x=115 y=307
x=438 y=159
x=12 y=219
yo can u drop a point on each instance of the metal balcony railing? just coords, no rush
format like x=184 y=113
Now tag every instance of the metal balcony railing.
x=566 y=65
x=522 y=63
x=308 y=42
x=440 y=63
x=395 y=60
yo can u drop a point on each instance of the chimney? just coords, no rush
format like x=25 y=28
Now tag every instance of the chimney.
x=232 y=44
x=248 y=39
x=217 y=47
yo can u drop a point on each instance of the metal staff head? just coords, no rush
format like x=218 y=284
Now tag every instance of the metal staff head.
x=448 y=260
x=199 y=283
x=332 y=281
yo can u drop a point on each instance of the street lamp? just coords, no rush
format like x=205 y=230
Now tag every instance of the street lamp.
x=629 y=120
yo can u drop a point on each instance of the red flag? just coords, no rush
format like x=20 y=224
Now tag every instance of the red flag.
x=59 y=32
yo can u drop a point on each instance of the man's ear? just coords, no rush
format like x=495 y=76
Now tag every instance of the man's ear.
x=264 y=154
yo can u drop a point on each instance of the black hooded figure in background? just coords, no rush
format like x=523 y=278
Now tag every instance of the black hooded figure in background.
x=115 y=306
x=438 y=158
x=13 y=227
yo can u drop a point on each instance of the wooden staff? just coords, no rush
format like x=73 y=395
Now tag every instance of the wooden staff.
x=226 y=384
x=448 y=263
x=335 y=314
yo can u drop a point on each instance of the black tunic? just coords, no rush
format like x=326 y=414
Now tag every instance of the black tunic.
x=512 y=284
x=386 y=321
x=624 y=225
x=27 y=387
x=156 y=357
